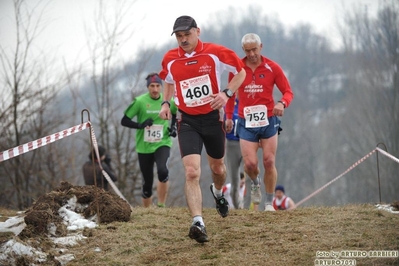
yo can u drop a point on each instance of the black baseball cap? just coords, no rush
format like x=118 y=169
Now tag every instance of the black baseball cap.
x=184 y=23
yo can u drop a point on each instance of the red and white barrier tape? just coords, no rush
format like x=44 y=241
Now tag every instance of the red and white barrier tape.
x=32 y=145
x=105 y=174
x=390 y=156
x=349 y=169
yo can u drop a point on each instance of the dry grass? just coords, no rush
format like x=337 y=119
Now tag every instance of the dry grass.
x=158 y=236
x=5 y=214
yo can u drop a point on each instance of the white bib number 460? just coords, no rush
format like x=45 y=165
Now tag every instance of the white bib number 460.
x=153 y=134
x=255 y=116
x=196 y=91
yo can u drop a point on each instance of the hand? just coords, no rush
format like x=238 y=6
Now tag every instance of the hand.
x=219 y=100
x=229 y=125
x=165 y=112
x=172 y=131
x=278 y=109
x=146 y=123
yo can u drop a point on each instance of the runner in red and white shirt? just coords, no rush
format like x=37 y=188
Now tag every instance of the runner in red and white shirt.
x=281 y=201
x=258 y=124
x=192 y=74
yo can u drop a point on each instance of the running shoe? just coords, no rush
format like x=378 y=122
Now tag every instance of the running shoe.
x=222 y=206
x=198 y=233
x=256 y=195
x=269 y=208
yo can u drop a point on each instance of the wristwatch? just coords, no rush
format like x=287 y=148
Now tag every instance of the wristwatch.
x=282 y=103
x=228 y=92
x=163 y=102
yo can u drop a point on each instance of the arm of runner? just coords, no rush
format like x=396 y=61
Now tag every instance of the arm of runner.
x=221 y=98
x=168 y=91
x=284 y=87
x=229 y=109
x=127 y=122
x=237 y=80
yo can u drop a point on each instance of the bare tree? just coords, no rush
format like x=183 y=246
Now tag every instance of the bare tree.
x=111 y=87
x=369 y=111
x=28 y=89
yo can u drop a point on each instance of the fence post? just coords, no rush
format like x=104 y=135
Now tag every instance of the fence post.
x=378 y=170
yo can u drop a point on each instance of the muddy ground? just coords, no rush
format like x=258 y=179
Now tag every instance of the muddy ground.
x=91 y=200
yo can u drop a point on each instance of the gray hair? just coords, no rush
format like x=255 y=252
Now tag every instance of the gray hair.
x=251 y=38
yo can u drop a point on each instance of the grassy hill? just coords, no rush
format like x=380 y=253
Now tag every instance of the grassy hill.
x=158 y=236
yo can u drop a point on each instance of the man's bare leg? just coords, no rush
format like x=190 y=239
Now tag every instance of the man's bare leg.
x=192 y=188
x=218 y=170
x=249 y=155
x=269 y=147
x=162 y=191
x=193 y=193
x=147 y=202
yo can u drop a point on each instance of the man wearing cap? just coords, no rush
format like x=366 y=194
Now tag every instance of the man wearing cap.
x=192 y=73
x=153 y=138
x=281 y=201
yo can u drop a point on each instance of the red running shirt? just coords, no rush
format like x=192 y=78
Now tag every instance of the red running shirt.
x=257 y=88
x=197 y=76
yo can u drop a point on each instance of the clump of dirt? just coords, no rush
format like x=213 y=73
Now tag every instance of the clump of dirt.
x=395 y=204
x=92 y=201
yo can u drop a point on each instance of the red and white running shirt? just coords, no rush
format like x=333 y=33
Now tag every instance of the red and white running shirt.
x=197 y=76
x=257 y=88
x=281 y=204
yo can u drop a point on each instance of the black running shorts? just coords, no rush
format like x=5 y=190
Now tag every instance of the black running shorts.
x=196 y=131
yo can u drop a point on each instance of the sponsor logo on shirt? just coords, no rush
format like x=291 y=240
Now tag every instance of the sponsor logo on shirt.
x=192 y=62
x=185 y=85
x=152 y=111
x=205 y=69
x=252 y=89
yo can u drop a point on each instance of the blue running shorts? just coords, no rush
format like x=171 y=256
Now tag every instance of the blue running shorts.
x=256 y=133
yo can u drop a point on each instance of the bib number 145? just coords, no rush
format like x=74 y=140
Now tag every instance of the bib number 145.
x=154 y=133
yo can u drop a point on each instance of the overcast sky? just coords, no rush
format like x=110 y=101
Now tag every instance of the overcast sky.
x=151 y=21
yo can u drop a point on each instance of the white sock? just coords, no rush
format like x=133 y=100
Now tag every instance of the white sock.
x=198 y=218
x=218 y=193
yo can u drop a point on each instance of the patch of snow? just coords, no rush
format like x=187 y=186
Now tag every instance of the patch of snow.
x=14 y=224
x=64 y=259
x=70 y=240
x=14 y=247
x=73 y=220
x=386 y=207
